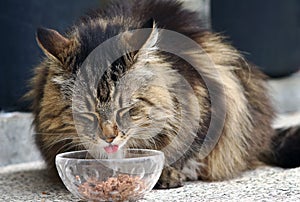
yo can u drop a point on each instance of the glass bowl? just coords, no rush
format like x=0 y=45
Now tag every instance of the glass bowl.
x=114 y=179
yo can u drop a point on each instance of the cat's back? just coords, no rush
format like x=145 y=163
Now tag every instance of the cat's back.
x=167 y=14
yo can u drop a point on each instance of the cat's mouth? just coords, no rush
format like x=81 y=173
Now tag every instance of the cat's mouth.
x=110 y=149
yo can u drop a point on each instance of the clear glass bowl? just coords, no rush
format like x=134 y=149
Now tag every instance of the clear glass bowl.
x=114 y=179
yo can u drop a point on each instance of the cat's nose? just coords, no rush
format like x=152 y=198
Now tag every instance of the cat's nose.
x=110 y=139
x=109 y=132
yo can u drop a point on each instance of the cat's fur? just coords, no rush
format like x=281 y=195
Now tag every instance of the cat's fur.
x=247 y=136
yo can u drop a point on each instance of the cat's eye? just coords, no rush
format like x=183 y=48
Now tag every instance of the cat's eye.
x=145 y=101
x=134 y=113
x=89 y=121
x=120 y=114
x=122 y=111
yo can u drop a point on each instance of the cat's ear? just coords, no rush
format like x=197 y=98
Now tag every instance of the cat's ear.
x=149 y=24
x=144 y=37
x=51 y=42
x=152 y=38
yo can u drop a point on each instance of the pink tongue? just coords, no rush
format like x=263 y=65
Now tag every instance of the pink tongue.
x=111 y=149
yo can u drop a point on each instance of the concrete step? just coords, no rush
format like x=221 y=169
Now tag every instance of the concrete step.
x=16 y=139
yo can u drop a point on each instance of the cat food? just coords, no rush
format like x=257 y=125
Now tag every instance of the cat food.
x=120 y=188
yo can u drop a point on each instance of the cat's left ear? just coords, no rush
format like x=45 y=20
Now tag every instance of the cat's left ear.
x=52 y=43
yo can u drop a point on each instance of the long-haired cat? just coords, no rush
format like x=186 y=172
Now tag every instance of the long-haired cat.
x=246 y=136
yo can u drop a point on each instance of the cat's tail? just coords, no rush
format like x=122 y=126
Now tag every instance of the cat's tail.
x=286 y=148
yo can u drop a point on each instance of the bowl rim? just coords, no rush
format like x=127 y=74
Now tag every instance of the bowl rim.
x=155 y=154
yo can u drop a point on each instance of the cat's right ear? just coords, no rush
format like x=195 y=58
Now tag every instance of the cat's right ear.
x=52 y=43
x=145 y=37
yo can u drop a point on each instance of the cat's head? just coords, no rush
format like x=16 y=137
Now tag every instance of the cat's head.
x=133 y=102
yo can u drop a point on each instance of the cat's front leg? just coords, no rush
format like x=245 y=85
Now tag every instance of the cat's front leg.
x=170 y=178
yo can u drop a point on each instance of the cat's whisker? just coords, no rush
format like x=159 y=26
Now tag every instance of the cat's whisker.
x=55 y=134
x=67 y=147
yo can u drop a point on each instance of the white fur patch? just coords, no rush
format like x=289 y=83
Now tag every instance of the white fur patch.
x=59 y=80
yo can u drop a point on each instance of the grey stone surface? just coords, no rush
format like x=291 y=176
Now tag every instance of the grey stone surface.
x=286 y=93
x=287 y=120
x=16 y=139
x=29 y=182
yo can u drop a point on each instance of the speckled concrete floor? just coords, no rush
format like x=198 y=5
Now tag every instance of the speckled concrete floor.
x=29 y=182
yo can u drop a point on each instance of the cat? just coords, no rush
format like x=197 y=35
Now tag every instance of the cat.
x=157 y=89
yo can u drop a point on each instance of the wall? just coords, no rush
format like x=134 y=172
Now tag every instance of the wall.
x=19 y=52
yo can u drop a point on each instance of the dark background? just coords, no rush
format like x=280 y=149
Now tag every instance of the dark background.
x=267 y=31
x=19 y=52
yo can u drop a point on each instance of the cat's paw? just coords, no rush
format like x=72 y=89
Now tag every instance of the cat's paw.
x=170 y=178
